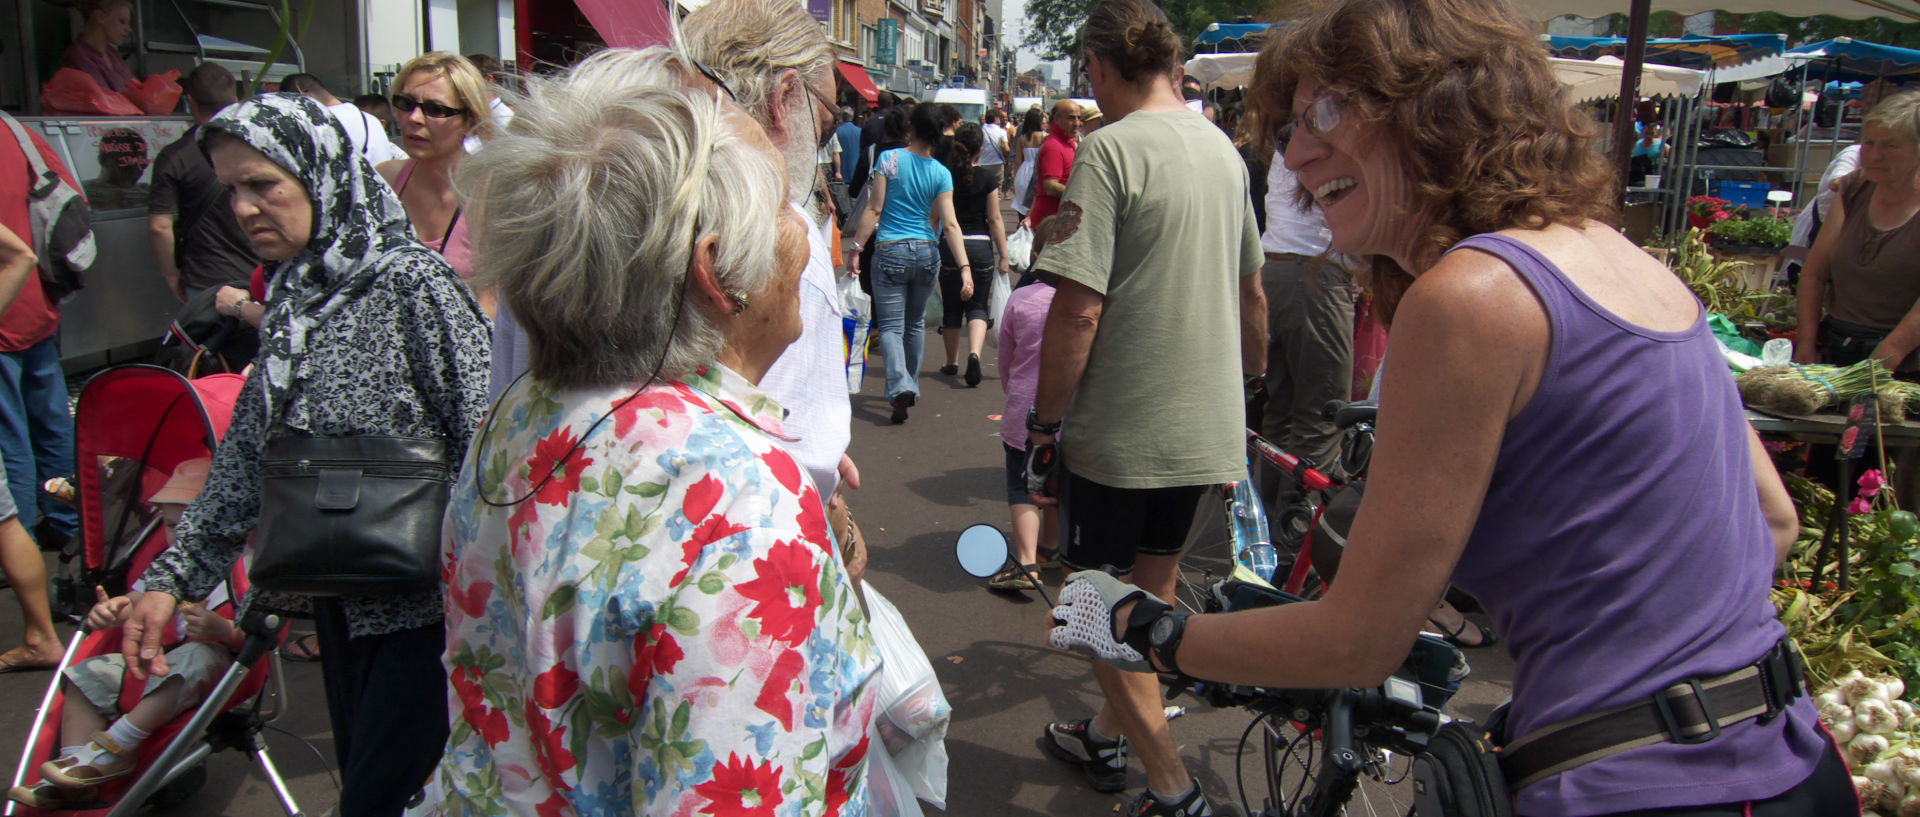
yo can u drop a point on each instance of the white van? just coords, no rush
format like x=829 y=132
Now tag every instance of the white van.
x=1021 y=104
x=972 y=102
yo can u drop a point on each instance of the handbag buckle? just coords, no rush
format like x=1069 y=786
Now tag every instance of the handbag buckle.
x=338 y=489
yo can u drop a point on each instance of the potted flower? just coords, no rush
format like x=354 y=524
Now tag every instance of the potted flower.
x=1703 y=211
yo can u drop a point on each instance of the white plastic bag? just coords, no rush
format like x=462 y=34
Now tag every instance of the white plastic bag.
x=888 y=792
x=997 y=304
x=912 y=714
x=856 y=321
x=1020 y=247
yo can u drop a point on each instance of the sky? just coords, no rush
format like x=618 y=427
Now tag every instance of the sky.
x=1016 y=11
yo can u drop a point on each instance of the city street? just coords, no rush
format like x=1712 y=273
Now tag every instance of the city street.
x=924 y=482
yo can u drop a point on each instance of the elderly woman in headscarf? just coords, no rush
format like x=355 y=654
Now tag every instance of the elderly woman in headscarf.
x=369 y=333
x=648 y=613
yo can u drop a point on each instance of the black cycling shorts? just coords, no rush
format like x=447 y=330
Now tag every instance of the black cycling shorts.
x=1106 y=527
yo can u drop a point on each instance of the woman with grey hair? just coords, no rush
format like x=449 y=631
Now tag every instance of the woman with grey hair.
x=635 y=564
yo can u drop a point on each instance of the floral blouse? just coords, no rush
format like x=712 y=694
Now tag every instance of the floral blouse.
x=662 y=627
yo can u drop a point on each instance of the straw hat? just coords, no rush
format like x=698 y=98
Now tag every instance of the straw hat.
x=185 y=484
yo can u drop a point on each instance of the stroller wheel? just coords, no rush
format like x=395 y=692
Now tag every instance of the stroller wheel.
x=180 y=789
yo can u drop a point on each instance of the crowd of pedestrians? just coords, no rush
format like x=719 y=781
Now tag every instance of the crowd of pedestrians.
x=614 y=301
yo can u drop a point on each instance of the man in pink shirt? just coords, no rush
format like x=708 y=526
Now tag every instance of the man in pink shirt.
x=1055 y=163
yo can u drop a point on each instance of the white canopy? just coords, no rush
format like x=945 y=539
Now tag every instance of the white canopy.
x=1904 y=10
x=1585 y=79
x=1222 y=70
x=1600 y=79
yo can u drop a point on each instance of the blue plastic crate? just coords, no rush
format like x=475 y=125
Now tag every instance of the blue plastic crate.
x=1743 y=194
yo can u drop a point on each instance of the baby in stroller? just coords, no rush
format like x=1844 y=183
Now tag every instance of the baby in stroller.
x=99 y=743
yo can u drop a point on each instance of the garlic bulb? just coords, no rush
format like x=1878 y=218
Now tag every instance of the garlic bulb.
x=1843 y=732
x=1836 y=713
x=1875 y=716
x=1882 y=772
x=1866 y=748
x=1910 y=806
x=1831 y=696
x=1896 y=688
x=1864 y=689
x=1903 y=709
x=1874 y=794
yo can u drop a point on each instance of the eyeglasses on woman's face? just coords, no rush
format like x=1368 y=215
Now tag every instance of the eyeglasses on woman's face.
x=406 y=104
x=1320 y=117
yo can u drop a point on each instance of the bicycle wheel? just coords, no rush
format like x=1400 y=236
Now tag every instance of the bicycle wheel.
x=1293 y=761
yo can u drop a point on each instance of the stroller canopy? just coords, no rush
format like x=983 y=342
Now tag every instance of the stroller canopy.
x=144 y=415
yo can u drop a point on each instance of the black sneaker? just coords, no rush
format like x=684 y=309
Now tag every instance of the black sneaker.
x=973 y=370
x=1105 y=763
x=901 y=402
x=1193 y=805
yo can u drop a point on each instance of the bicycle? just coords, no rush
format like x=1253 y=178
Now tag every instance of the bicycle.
x=1326 y=751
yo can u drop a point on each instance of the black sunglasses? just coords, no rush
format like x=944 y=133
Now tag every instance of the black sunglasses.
x=406 y=104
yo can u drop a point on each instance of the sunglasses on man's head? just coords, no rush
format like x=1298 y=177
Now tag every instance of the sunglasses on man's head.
x=406 y=104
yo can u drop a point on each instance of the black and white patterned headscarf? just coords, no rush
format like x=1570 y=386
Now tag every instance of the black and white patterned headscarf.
x=359 y=228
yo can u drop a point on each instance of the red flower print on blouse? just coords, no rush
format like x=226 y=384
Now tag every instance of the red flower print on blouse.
x=784 y=469
x=489 y=722
x=559 y=464
x=813 y=520
x=555 y=687
x=741 y=789
x=549 y=746
x=628 y=413
x=655 y=652
x=774 y=694
x=786 y=589
x=556 y=805
x=472 y=600
x=838 y=793
x=701 y=498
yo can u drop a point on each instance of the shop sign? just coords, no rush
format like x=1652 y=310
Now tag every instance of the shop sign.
x=887 y=42
x=933 y=8
x=822 y=10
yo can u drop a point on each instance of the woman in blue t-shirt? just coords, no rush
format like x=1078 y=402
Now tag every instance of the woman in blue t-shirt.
x=911 y=202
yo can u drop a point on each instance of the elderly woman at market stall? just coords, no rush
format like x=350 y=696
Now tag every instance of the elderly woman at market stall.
x=1858 y=294
x=632 y=554
x=1532 y=346
x=368 y=334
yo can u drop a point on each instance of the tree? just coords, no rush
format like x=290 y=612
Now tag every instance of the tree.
x=1053 y=26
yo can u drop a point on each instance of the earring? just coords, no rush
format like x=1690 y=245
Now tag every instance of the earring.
x=740 y=302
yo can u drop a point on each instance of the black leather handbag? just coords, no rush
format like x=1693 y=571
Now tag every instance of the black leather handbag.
x=351 y=515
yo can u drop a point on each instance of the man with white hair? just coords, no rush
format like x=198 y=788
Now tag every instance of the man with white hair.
x=775 y=59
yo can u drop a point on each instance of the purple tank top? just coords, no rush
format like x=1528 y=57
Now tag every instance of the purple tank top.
x=1622 y=548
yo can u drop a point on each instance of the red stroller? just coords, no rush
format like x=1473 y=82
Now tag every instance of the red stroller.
x=134 y=425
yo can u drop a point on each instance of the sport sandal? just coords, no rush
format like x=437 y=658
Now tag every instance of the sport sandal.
x=1105 y=763
x=1193 y=805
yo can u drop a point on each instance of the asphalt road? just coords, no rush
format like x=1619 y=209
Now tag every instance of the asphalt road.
x=924 y=482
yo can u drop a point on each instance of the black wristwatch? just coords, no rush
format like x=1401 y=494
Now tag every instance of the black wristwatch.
x=1034 y=424
x=1155 y=627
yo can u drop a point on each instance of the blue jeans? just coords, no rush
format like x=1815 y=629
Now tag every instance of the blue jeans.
x=36 y=432
x=903 y=277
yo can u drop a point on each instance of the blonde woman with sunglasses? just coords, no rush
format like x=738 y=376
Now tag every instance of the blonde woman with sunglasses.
x=439 y=99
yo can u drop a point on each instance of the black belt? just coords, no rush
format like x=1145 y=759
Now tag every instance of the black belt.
x=1692 y=711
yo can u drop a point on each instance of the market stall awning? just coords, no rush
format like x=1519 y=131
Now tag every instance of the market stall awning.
x=1587 y=80
x=1217 y=32
x=1731 y=58
x=1906 y=10
x=629 y=23
x=858 y=79
x=1849 y=60
x=1222 y=70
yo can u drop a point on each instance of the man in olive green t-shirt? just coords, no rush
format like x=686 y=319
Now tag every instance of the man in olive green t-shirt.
x=1159 y=313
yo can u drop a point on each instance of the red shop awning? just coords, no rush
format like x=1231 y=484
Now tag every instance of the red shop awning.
x=627 y=23
x=857 y=77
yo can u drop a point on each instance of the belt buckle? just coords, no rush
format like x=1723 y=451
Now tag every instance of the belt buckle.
x=1665 y=708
